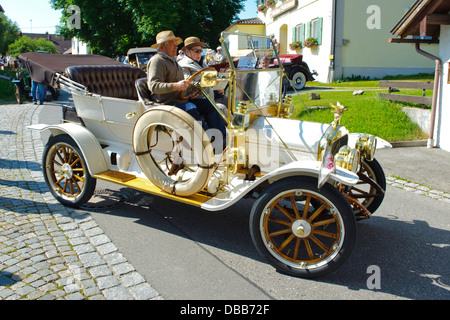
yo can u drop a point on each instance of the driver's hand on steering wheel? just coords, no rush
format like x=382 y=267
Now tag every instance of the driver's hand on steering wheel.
x=181 y=85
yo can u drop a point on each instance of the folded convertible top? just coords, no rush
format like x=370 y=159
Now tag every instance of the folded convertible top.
x=43 y=66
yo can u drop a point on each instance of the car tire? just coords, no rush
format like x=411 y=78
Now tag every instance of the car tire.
x=66 y=173
x=298 y=79
x=301 y=230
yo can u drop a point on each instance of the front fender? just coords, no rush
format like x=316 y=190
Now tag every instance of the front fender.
x=86 y=141
x=238 y=187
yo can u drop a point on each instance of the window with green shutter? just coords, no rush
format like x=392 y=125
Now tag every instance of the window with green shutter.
x=316 y=26
x=298 y=32
x=302 y=32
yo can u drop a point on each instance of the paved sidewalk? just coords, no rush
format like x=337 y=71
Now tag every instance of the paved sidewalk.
x=48 y=251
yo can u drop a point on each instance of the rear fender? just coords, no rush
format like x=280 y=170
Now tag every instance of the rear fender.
x=302 y=68
x=86 y=141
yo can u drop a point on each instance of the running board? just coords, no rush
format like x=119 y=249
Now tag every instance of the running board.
x=144 y=185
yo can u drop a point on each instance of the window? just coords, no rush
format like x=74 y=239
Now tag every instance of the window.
x=298 y=33
x=314 y=29
x=303 y=31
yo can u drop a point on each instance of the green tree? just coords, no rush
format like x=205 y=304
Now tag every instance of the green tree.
x=107 y=25
x=9 y=32
x=26 y=44
x=111 y=27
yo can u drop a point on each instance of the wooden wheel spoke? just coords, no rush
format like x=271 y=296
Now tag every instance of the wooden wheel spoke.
x=57 y=163
x=358 y=190
x=294 y=206
x=75 y=162
x=305 y=211
x=320 y=244
x=58 y=154
x=79 y=178
x=316 y=214
x=324 y=222
x=278 y=233
x=297 y=246
x=275 y=220
x=325 y=234
x=284 y=211
x=65 y=185
x=308 y=249
x=59 y=180
x=70 y=156
x=75 y=183
x=70 y=186
x=286 y=242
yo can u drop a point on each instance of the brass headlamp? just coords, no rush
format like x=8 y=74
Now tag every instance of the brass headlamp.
x=367 y=145
x=348 y=158
x=286 y=107
x=241 y=118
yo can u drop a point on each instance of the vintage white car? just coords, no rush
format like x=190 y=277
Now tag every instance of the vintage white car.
x=310 y=181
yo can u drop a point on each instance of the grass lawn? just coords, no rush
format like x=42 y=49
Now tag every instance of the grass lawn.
x=7 y=95
x=366 y=113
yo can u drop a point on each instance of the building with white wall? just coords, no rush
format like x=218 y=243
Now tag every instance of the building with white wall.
x=429 y=21
x=80 y=47
x=352 y=36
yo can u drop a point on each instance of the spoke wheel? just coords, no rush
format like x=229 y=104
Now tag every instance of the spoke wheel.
x=302 y=231
x=173 y=151
x=66 y=173
x=371 y=187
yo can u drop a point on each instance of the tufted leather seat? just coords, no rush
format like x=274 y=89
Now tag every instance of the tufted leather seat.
x=144 y=93
x=117 y=81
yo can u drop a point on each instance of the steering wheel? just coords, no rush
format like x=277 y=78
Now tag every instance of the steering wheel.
x=195 y=86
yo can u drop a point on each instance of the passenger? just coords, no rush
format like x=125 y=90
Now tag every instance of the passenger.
x=191 y=63
x=219 y=57
x=265 y=62
x=268 y=91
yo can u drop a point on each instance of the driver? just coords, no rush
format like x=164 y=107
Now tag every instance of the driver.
x=191 y=63
x=165 y=79
x=165 y=76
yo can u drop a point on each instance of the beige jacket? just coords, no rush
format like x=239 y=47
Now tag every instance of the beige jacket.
x=162 y=72
x=190 y=66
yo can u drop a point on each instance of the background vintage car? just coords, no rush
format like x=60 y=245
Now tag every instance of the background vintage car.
x=296 y=69
x=139 y=57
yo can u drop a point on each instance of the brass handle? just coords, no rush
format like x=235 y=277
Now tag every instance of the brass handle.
x=130 y=115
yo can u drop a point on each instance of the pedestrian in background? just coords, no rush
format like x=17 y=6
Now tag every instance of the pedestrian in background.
x=38 y=92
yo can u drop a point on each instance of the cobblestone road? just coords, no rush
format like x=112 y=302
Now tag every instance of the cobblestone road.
x=48 y=251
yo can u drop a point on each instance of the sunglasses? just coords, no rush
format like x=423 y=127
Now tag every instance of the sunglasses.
x=197 y=51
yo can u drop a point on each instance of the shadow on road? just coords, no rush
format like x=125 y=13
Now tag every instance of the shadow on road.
x=406 y=257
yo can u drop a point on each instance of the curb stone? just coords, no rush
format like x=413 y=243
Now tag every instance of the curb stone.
x=48 y=251
x=418 y=189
